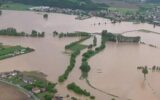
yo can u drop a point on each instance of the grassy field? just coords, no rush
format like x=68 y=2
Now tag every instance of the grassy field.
x=78 y=47
x=118 y=3
x=15 y=6
x=12 y=51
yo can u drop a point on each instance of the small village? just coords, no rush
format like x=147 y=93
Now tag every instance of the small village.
x=35 y=88
x=151 y=16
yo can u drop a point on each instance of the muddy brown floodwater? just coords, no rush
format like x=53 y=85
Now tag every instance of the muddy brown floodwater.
x=114 y=70
x=8 y=92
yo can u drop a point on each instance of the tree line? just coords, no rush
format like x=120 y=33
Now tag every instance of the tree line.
x=75 y=88
x=74 y=54
x=74 y=34
x=70 y=67
x=118 y=37
x=13 y=32
x=85 y=67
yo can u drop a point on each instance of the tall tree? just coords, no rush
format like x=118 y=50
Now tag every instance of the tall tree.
x=145 y=72
x=94 y=41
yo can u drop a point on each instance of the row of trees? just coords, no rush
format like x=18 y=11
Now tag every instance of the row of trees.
x=75 y=34
x=74 y=54
x=118 y=37
x=0 y=12
x=75 y=88
x=94 y=41
x=70 y=67
x=37 y=34
x=85 y=67
x=13 y=32
x=145 y=70
x=154 y=68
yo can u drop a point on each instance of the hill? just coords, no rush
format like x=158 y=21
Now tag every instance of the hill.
x=73 y=4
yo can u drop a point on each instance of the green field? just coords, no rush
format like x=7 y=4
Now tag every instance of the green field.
x=11 y=51
x=78 y=47
x=15 y=6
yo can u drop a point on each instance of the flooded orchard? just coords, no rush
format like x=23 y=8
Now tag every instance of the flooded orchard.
x=114 y=70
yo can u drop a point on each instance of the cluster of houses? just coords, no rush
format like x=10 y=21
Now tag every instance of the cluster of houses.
x=58 y=10
x=27 y=80
x=151 y=16
x=6 y=76
x=17 y=52
x=154 y=14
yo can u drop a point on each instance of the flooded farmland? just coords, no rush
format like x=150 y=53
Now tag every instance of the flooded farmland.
x=114 y=70
x=11 y=93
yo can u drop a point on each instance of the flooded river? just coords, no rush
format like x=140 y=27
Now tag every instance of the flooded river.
x=114 y=70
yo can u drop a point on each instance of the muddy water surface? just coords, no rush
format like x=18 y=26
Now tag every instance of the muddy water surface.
x=114 y=70
x=8 y=92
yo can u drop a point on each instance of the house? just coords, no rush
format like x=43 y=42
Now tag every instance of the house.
x=27 y=81
x=58 y=98
x=36 y=90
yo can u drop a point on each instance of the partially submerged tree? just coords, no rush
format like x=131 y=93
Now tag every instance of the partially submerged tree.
x=45 y=16
x=94 y=41
x=145 y=72
x=0 y=12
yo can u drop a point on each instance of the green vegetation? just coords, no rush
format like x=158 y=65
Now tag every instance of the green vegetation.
x=11 y=51
x=85 y=67
x=15 y=6
x=45 y=16
x=119 y=38
x=123 y=10
x=76 y=48
x=37 y=34
x=76 y=89
x=75 y=34
x=73 y=4
x=70 y=67
x=13 y=32
x=145 y=72
x=34 y=82
x=76 y=45
x=94 y=41
x=106 y=36
x=0 y=12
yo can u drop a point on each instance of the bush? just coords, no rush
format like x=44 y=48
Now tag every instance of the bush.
x=73 y=87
